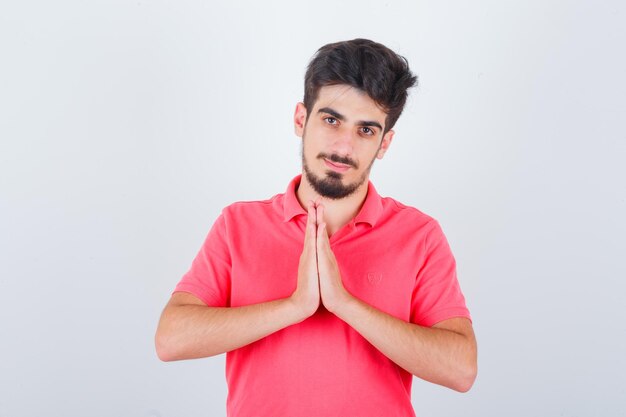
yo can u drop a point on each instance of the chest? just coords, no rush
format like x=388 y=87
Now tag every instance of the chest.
x=379 y=272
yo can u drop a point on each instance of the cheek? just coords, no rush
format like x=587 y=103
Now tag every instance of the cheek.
x=368 y=153
x=308 y=150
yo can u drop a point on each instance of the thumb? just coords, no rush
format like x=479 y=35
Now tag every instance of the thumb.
x=310 y=231
x=322 y=237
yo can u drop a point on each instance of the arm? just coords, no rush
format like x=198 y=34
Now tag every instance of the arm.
x=444 y=354
x=190 y=329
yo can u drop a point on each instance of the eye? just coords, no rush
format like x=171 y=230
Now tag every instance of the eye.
x=367 y=131
x=330 y=120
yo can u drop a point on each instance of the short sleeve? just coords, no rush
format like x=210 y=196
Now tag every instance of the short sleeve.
x=209 y=276
x=437 y=295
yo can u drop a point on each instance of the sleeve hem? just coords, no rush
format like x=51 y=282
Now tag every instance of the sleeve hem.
x=448 y=313
x=193 y=290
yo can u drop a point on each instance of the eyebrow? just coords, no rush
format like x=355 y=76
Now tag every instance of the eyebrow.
x=341 y=117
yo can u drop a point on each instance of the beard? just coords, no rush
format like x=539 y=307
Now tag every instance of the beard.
x=331 y=184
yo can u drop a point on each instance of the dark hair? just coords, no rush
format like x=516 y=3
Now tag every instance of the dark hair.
x=363 y=64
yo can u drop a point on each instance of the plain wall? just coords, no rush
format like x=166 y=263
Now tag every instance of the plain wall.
x=126 y=126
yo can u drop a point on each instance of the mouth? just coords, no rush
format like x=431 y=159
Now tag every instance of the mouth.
x=335 y=166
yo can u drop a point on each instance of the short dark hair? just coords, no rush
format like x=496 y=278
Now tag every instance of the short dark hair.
x=366 y=65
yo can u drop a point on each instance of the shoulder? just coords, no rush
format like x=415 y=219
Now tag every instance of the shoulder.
x=249 y=206
x=409 y=216
x=410 y=224
x=243 y=212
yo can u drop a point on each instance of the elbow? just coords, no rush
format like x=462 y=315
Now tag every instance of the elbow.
x=171 y=347
x=163 y=348
x=466 y=378
x=163 y=355
x=167 y=340
x=467 y=371
x=463 y=386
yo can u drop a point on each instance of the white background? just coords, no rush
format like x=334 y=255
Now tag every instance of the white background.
x=126 y=126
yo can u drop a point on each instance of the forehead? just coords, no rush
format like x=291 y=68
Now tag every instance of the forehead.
x=351 y=102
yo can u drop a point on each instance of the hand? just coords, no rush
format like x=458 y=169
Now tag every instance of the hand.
x=332 y=291
x=307 y=294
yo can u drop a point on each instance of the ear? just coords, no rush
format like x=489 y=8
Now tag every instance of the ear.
x=384 y=145
x=299 y=119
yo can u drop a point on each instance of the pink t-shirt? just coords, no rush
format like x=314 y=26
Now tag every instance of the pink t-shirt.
x=391 y=256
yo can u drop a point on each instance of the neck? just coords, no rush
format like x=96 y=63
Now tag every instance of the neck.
x=337 y=213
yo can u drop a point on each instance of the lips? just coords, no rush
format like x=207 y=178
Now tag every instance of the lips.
x=335 y=166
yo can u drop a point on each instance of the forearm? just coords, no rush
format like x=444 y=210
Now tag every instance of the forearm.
x=440 y=356
x=197 y=331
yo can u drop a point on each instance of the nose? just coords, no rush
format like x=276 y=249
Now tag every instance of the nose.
x=343 y=143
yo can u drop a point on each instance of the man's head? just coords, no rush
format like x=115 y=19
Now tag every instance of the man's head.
x=354 y=93
x=365 y=65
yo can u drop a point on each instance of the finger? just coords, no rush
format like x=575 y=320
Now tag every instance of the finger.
x=309 y=233
x=319 y=213
x=322 y=237
x=311 y=216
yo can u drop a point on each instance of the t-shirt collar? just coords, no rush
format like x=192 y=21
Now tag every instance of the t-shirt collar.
x=370 y=211
x=372 y=207
x=291 y=205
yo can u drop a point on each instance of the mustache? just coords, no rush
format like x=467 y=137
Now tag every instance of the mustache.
x=339 y=159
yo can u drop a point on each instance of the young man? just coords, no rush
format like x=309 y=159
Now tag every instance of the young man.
x=328 y=298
